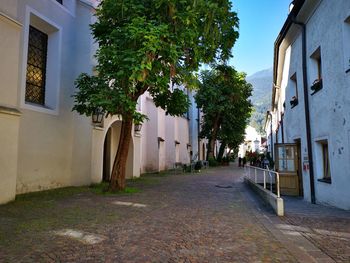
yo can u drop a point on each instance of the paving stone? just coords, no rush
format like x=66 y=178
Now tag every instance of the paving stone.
x=182 y=218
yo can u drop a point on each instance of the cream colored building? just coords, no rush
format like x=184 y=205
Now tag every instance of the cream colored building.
x=45 y=45
x=252 y=142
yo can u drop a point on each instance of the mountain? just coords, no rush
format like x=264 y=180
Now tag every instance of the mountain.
x=261 y=97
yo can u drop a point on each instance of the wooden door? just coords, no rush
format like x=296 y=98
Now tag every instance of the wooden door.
x=287 y=166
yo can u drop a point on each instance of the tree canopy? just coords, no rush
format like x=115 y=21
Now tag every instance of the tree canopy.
x=145 y=46
x=154 y=46
x=223 y=98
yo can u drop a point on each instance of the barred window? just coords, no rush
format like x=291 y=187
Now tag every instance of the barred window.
x=36 y=66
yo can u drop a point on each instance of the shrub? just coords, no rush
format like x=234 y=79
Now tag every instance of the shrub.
x=213 y=162
x=198 y=165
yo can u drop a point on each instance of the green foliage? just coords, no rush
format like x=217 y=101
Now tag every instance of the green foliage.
x=213 y=162
x=148 y=46
x=48 y=195
x=226 y=159
x=154 y=46
x=198 y=165
x=261 y=98
x=102 y=188
x=223 y=98
x=257 y=119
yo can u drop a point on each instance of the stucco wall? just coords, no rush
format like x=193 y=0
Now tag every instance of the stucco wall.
x=150 y=156
x=159 y=156
x=170 y=141
x=54 y=142
x=10 y=31
x=9 y=123
x=330 y=107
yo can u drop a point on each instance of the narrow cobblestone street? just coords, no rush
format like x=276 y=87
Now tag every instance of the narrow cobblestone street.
x=206 y=217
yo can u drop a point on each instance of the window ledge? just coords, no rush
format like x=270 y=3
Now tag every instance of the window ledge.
x=316 y=91
x=294 y=103
x=325 y=180
x=39 y=108
x=10 y=111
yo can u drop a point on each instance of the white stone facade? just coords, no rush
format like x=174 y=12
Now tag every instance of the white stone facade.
x=327 y=25
x=252 y=142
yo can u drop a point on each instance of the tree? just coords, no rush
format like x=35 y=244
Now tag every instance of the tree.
x=146 y=46
x=223 y=98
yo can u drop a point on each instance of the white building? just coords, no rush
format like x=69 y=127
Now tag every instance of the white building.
x=310 y=112
x=252 y=142
x=45 y=45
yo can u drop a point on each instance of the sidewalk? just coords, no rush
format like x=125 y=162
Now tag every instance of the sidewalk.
x=314 y=232
x=325 y=227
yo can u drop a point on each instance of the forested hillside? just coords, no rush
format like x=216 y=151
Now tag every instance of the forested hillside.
x=261 y=98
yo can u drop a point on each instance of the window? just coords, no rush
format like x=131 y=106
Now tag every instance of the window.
x=60 y=1
x=36 y=67
x=326 y=168
x=42 y=69
x=316 y=71
x=294 y=88
x=316 y=57
x=177 y=151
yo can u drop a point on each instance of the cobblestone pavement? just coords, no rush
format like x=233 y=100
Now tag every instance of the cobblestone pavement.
x=327 y=228
x=206 y=217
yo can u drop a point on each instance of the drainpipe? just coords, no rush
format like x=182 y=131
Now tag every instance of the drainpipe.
x=307 y=112
x=271 y=139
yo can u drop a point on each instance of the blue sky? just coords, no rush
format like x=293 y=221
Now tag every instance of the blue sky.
x=260 y=23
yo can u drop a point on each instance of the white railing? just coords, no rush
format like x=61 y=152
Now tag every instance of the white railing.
x=264 y=177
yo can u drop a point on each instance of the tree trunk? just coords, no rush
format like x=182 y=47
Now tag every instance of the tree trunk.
x=221 y=151
x=212 y=140
x=119 y=165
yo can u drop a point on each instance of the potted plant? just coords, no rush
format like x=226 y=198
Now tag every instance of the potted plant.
x=316 y=86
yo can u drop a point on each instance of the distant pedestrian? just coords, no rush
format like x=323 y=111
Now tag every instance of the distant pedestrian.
x=239 y=161
x=244 y=161
x=266 y=163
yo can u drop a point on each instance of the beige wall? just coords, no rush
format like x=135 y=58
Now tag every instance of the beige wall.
x=55 y=144
x=10 y=31
x=150 y=150
x=9 y=121
x=159 y=156
x=9 y=52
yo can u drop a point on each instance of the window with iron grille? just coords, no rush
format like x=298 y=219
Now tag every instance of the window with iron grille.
x=36 y=66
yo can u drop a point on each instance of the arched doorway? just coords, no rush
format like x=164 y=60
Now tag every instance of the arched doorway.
x=110 y=148
x=106 y=173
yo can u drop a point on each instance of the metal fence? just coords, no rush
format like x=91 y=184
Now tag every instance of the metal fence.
x=265 y=177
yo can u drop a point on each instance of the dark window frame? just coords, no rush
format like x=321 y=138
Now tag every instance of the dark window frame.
x=36 y=66
x=295 y=99
x=317 y=84
x=326 y=166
